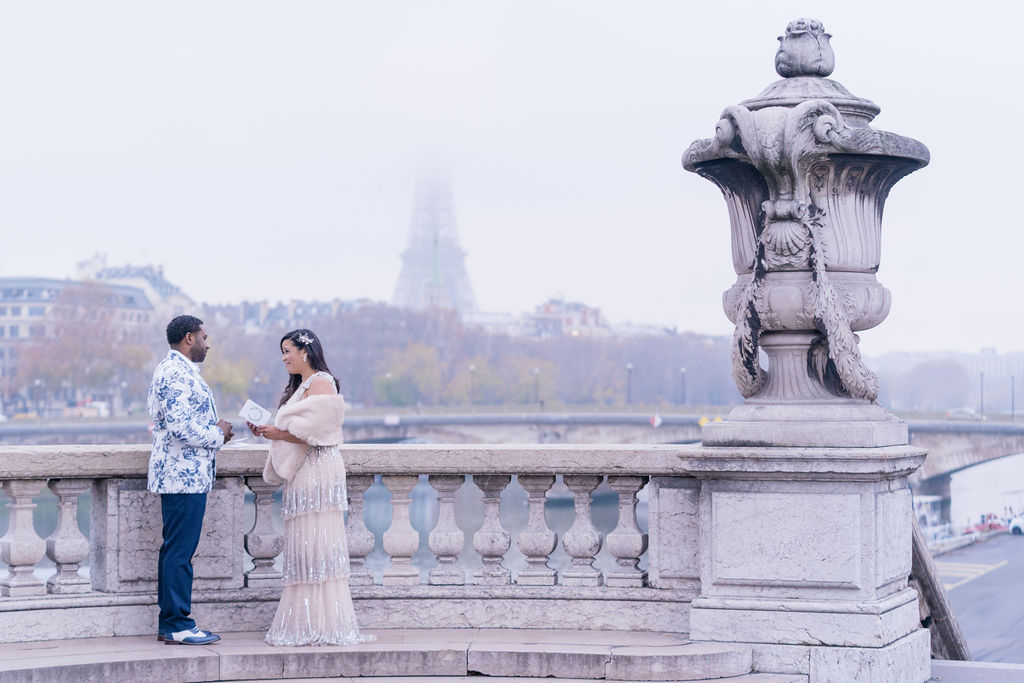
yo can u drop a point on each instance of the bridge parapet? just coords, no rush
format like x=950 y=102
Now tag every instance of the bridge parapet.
x=423 y=563
x=956 y=445
x=812 y=537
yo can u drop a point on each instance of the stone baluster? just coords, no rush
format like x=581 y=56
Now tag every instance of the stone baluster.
x=491 y=541
x=582 y=540
x=21 y=548
x=447 y=539
x=401 y=540
x=360 y=539
x=263 y=543
x=626 y=543
x=67 y=546
x=536 y=541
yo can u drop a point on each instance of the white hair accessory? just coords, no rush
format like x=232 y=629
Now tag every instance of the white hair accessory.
x=305 y=339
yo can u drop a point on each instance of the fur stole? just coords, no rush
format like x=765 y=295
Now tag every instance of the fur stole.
x=316 y=420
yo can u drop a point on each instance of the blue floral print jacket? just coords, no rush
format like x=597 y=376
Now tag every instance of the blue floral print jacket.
x=185 y=432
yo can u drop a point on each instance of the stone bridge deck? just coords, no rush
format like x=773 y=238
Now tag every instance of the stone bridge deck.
x=399 y=655
x=412 y=656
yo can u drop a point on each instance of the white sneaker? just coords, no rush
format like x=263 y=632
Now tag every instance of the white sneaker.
x=191 y=636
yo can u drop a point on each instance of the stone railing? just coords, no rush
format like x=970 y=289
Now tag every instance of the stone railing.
x=416 y=571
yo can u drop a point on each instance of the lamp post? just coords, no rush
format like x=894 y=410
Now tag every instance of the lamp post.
x=629 y=383
x=682 y=386
x=536 y=386
x=1013 y=396
x=981 y=376
x=472 y=369
x=39 y=384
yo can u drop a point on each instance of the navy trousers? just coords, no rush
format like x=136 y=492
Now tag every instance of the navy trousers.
x=183 y=523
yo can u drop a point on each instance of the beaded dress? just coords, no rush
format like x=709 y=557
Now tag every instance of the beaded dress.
x=316 y=604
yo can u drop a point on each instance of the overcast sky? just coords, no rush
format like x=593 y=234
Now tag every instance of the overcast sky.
x=269 y=150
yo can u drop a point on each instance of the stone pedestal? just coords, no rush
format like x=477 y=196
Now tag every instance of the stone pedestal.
x=805 y=514
x=806 y=555
x=127 y=532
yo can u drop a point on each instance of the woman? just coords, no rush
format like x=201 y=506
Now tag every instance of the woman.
x=316 y=605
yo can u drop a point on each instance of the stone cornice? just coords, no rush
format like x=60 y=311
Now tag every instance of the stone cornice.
x=817 y=464
x=43 y=462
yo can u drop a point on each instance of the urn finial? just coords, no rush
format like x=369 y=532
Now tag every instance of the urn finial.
x=806 y=179
x=804 y=50
x=805 y=61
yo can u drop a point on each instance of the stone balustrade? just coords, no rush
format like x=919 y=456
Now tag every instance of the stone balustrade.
x=801 y=553
x=523 y=574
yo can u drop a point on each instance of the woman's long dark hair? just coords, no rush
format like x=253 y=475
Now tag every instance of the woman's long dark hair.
x=310 y=345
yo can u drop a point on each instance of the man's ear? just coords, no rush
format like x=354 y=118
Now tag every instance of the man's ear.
x=189 y=339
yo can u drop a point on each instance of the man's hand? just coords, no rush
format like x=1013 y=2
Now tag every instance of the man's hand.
x=225 y=427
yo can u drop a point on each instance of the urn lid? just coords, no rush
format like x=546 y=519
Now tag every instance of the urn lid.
x=804 y=59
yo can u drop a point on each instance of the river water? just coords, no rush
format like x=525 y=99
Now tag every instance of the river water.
x=993 y=487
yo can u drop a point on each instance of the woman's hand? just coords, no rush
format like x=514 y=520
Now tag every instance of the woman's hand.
x=273 y=433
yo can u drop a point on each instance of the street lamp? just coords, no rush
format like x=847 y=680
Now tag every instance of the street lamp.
x=629 y=383
x=536 y=386
x=472 y=369
x=981 y=375
x=682 y=386
x=1013 y=396
x=39 y=384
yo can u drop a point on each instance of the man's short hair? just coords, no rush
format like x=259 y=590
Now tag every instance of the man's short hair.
x=180 y=326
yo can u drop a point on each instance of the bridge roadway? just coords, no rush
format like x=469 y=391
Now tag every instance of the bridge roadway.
x=952 y=445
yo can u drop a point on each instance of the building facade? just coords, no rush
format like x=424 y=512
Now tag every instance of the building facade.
x=36 y=311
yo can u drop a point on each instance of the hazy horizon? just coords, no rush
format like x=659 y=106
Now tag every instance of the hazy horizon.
x=268 y=152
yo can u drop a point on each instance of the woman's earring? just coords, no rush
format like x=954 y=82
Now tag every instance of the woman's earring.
x=303 y=358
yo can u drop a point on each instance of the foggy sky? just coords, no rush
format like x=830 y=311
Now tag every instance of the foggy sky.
x=269 y=150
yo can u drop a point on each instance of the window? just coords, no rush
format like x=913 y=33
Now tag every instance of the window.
x=3 y=310
x=3 y=331
x=37 y=311
x=37 y=331
x=15 y=310
x=12 y=330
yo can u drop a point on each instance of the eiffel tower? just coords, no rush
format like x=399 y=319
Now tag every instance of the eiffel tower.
x=433 y=265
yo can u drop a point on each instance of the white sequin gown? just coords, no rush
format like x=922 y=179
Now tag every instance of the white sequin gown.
x=316 y=604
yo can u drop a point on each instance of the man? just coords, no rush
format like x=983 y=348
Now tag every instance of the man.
x=182 y=467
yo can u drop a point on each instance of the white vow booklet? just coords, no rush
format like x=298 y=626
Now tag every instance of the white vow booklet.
x=255 y=413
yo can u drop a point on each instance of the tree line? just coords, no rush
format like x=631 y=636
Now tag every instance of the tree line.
x=391 y=357
x=383 y=356
x=386 y=356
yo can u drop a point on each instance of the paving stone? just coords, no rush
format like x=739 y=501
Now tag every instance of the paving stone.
x=693 y=661
x=375 y=659
x=198 y=666
x=540 y=660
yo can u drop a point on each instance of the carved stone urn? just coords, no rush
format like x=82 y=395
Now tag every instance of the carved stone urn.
x=805 y=179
